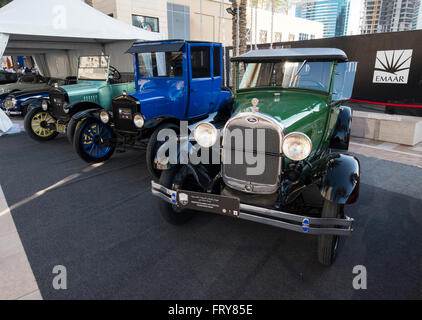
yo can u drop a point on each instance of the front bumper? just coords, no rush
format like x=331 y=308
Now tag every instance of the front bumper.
x=14 y=112
x=279 y=219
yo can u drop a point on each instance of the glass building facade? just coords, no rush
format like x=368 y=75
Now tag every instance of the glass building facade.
x=334 y=14
x=390 y=15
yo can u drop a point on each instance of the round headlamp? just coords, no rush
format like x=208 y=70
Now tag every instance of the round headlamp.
x=104 y=116
x=297 y=146
x=205 y=134
x=65 y=109
x=10 y=103
x=44 y=105
x=138 y=120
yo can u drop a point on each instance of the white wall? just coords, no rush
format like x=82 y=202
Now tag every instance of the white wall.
x=286 y=24
x=61 y=64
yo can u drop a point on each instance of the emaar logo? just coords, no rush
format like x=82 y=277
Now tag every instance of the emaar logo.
x=392 y=66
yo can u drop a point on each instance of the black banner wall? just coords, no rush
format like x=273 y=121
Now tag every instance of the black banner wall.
x=389 y=70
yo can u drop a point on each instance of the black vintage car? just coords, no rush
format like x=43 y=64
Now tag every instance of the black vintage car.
x=281 y=158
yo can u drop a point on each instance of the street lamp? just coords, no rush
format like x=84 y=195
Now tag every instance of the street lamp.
x=231 y=11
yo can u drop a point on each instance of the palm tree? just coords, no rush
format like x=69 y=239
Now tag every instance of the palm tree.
x=239 y=26
x=239 y=36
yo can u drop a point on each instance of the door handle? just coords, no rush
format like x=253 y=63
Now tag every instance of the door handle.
x=193 y=90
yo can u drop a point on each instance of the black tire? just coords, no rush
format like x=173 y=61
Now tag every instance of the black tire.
x=71 y=128
x=77 y=141
x=170 y=212
x=31 y=116
x=152 y=149
x=328 y=244
x=24 y=111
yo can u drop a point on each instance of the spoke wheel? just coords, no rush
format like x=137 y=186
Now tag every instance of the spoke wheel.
x=39 y=123
x=93 y=140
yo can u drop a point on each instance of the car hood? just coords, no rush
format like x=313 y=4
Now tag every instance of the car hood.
x=21 y=86
x=84 y=91
x=30 y=93
x=297 y=110
x=83 y=88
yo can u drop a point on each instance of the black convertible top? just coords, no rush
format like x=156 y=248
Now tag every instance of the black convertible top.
x=318 y=54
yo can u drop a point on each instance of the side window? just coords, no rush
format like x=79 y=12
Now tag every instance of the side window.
x=161 y=64
x=200 y=61
x=216 y=61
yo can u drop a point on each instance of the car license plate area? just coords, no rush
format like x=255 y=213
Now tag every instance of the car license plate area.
x=125 y=114
x=208 y=202
x=61 y=128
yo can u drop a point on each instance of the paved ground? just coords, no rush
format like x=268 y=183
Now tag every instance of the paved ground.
x=102 y=224
x=411 y=155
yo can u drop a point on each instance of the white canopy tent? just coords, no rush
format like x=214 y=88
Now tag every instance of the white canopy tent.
x=57 y=32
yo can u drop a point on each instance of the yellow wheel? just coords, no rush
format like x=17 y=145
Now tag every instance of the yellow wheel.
x=39 y=125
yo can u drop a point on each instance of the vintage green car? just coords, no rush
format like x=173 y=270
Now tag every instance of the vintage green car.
x=97 y=84
x=279 y=157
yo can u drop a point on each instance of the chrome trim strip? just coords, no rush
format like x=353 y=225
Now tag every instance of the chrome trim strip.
x=294 y=227
x=161 y=196
x=162 y=189
x=333 y=226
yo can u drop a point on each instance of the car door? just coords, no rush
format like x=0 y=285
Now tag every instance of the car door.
x=202 y=99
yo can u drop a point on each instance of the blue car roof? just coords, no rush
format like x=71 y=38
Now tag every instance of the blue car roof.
x=162 y=45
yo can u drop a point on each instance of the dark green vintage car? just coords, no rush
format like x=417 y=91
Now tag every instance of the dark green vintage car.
x=281 y=149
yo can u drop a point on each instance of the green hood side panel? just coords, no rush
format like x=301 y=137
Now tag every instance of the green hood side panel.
x=84 y=91
x=99 y=92
x=298 y=111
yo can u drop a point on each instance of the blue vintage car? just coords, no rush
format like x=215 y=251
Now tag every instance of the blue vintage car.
x=19 y=101
x=175 y=80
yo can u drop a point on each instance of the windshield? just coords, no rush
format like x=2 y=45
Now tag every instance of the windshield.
x=160 y=64
x=93 y=68
x=302 y=75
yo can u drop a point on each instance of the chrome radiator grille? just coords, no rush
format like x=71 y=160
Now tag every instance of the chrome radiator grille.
x=263 y=176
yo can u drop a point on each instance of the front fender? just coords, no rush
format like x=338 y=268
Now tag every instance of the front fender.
x=156 y=121
x=94 y=112
x=341 y=180
x=81 y=105
x=341 y=135
x=33 y=102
